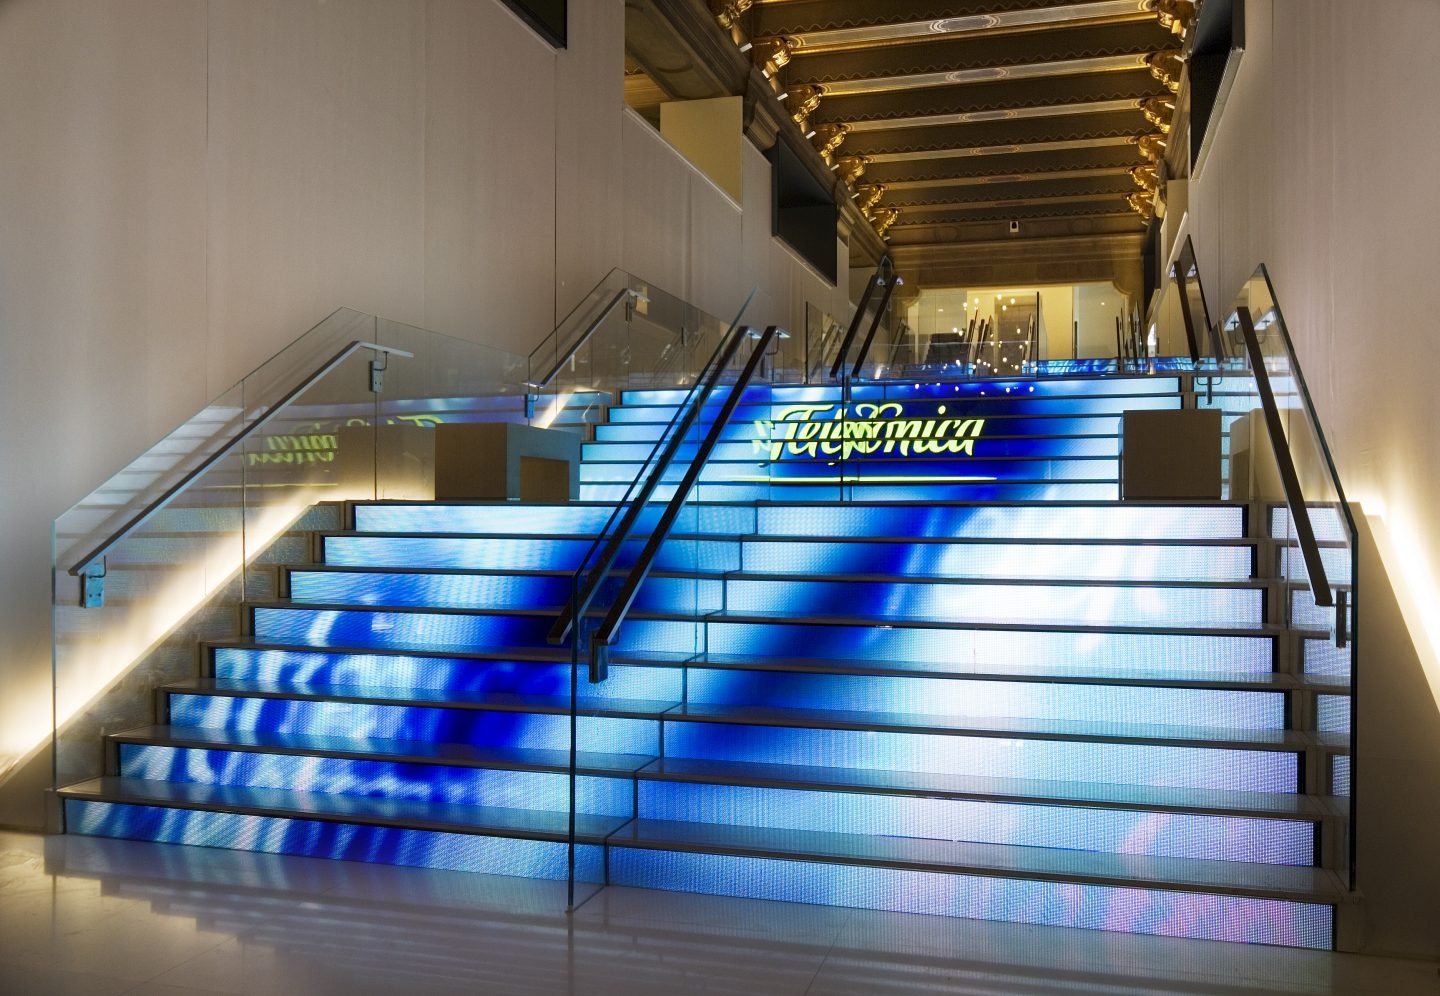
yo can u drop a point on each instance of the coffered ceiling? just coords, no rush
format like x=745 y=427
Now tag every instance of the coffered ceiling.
x=1012 y=126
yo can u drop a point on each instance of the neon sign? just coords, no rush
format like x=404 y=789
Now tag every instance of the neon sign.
x=883 y=429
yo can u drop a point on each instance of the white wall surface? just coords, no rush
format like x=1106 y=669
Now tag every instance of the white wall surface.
x=188 y=185
x=1323 y=169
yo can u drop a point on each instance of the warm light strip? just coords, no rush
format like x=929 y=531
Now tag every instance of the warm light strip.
x=980 y=117
x=1010 y=20
x=999 y=150
x=1414 y=585
x=987 y=74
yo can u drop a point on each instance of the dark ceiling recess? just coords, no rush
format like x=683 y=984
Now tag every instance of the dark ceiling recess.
x=946 y=123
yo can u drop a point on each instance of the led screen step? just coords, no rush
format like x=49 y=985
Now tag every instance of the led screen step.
x=986 y=407
x=422 y=632
x=1096 y=830
x=1290 y=807
x=489 y=518
x=752 y=448
x=458 y=677
x=432 y=781
x=1232 y=901
x=946 y=699
x=502 y=723
x=960 y=647
x=916 y=470
x=1224 y=560
x=409 y=752
x=903 y=389
x=1097 y=427
x=882 y=488
x=385 y=831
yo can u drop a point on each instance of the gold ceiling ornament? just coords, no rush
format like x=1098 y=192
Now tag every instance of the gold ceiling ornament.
x=1146 y=177
x=1177 y=15
x=1142 y=202
x=801 y=102
x=867 y=195
x=851 y=168
x=827 y=139
x=884 y=218
x=1152 y=146
x=771 y=53
x=729 y=12
x=1166 y=67
x=1159 y=111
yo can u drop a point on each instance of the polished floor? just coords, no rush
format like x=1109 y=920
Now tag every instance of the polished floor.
x=102 y=918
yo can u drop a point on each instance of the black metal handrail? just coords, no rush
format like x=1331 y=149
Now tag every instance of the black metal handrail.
x=891 y=283
x=580 y=603
x=877 y=280
x=98 y=552
x=1285 y=463
x=605 y=635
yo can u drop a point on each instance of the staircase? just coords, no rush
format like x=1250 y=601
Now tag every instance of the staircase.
x=913 y=674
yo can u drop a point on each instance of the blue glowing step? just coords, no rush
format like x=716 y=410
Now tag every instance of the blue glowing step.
x=1103 y=428
x=963 y=407
x=880 y=487
x=921 y=470
x=499 y=721
x=1229 y=560
x=413 y=780
x=455 y=677
x=1271 y=904
x=958 y=646
x=944 y=700
x=1282 y=806
x=904 y=390
x=334 y=826
x=412 y=752
x=743 y=450
x=400 y=629
x=1218 y=838
x=476 y=553
x=523 y=522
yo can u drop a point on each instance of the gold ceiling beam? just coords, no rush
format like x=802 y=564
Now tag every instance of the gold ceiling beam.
x=990 y=74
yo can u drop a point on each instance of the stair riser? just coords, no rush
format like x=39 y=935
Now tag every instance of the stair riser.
x=1101 y=830
x=1000 y=405
x=532 y=790
x=742 y=450
x=1097 y=907
x=900 y=391
x=956 y=602
x=995 y=757
x=881 y=471
x=872 y=489
x=458 y=677
x=1038 y=561
x=318 y=838
x=602 y=734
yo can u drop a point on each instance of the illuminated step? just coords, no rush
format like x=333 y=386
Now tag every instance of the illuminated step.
x=495 y=721
x=1002 y=426
x=527 y=520
x=954 y=647
x=1337 y=561
x=526 y=843
x=748 y=449
x=405 y=752
x=873 y=489
x=919 y=470
x=1103 y=831
x=1327 y=521
x=423 y=632
x=903 y=389
x=814 y=555
x=912 y=602
x=983 y=407
x=939 y=698
x=470 y=590
x=457 y=677
x=415 y=779
x=1233 y=901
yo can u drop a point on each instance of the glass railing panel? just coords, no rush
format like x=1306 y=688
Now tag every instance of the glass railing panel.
x=1279 y=459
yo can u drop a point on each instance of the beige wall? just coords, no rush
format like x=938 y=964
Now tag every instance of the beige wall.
x=1323 y=169
x=186 y=186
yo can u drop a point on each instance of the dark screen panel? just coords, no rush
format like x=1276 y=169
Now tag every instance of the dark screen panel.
x=548 y=17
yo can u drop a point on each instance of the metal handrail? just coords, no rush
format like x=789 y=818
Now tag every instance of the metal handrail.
x=605 y=634
x=584 y=337
x=137 y=520
x=1285 y=463
x=856 y=319
x=580 y=604
x=890 y=284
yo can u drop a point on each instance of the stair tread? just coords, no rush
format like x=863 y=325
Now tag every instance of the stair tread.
x=439 y=698
x=1224 y=802
x=1305 y=884
x=372 y=810
x=371 y=748
x=1016 y=727
x=811 y=538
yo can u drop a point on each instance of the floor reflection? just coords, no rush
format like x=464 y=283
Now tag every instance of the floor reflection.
x=80 y=915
